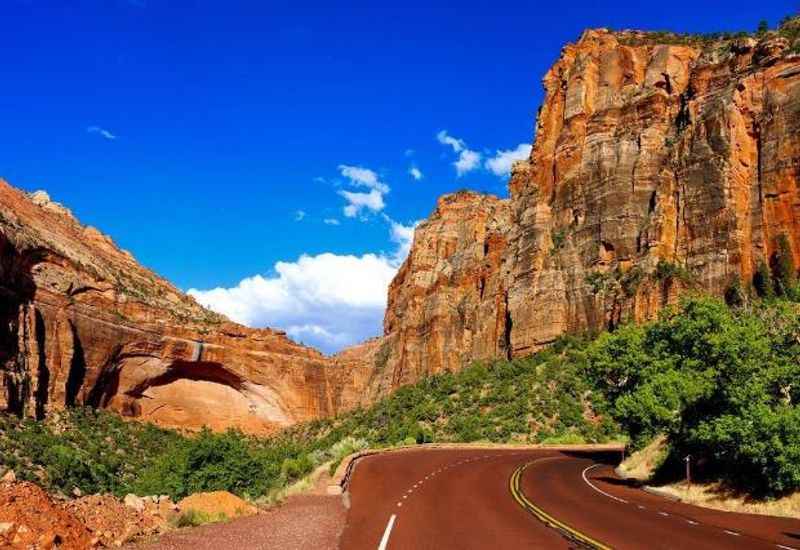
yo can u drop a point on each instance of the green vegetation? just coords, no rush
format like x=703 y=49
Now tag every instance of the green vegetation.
x=667 y=271
x=788 y=28
x=559 y=237
x=543 y=398
x=717 y=381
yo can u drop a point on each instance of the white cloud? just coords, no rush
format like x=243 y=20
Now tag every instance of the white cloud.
x=299 y=215
x=500 y=164
x=458 y=145
x=403 y=236
x=358 y=202
x=331 y=221
x=409 y=152
x=102 y=132
x=328 y=300
x=415 y=173
x=363 y=177
x=467 y=159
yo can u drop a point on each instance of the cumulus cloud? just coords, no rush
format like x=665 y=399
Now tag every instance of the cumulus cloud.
x=358 y=202
x=415 y=173
x=330 y=221
x=299 y=215
x=467 y=160
x=500 y=164
x=329 y=301
x=101 y=132
x=363 y=177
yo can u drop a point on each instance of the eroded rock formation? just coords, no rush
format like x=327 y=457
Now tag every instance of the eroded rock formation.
x=656 y=168
x=81 y=322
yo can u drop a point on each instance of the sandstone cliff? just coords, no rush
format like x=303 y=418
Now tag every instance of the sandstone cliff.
x=81 y=322
x=661 y=163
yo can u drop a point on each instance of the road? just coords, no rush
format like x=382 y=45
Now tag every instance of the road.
x=497 y=499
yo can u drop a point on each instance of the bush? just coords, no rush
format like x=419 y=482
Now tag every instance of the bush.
x=718 y=382
x=762 y=281
x=783 y=270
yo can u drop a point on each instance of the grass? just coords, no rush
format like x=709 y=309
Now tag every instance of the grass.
x=717 y=496
x=642 y=464
x=543 y=398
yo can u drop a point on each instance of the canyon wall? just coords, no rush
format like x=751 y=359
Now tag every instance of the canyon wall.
x=82 y=323
x=661 y=164
x=657 y=168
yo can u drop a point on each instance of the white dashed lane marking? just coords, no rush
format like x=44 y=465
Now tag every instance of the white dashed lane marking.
x=386 y=533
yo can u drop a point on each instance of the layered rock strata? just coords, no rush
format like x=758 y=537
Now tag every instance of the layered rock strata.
x=82 y=323
x=657 y=168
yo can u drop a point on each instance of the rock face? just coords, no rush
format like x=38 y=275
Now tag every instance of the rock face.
x=656 y=168
x=81 y=322
x=661 y=164
x=447 y=304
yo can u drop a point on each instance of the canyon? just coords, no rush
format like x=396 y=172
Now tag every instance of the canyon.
x=662 y=164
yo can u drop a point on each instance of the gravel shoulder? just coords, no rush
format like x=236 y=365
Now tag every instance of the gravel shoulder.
x=303 y=521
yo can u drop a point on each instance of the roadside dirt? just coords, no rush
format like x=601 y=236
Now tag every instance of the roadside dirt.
x=302 y=522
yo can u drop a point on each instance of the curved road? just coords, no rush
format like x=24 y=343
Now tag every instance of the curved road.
x=465 y=499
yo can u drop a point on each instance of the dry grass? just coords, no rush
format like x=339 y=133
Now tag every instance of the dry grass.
x=641 y=464
x=714 y=495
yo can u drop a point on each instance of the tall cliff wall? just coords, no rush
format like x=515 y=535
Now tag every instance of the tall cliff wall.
x=656 y=168
x=81 y=322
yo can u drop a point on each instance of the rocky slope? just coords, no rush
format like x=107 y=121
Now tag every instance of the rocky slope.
x=81 y=322
x=661 y=163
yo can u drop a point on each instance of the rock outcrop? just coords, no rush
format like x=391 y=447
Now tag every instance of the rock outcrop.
x=82 y=323
x=660 y=164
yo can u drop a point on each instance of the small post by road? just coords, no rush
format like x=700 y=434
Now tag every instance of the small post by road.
x=688 y=461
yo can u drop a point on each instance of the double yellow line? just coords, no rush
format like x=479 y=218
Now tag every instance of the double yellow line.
x=544 y=517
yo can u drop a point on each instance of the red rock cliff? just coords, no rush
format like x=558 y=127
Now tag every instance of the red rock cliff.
x=655 y=168
x=81 y=322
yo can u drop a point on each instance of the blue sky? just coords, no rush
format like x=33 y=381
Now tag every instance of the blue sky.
x=194 y=132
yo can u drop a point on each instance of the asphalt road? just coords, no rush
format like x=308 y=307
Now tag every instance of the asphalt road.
x=476 y=499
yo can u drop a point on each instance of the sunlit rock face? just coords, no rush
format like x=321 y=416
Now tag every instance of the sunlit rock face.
x=687 y=155
x=657 y=168
x=82 y=323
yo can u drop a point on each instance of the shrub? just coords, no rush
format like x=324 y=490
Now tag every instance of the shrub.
x=762 y=281
x=783 y=270
x=667 y=271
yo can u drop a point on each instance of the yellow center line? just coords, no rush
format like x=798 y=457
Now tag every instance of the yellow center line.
x=544 y=517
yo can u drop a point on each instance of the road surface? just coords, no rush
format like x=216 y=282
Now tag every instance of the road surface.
x=471 y=499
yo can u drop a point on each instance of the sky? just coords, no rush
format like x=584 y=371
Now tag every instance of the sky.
x=272 y=158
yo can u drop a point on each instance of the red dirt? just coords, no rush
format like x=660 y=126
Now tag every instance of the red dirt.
x=302 y=523
x=37 y=522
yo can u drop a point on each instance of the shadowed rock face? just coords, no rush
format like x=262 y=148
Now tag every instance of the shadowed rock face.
x=81 y=323
x=688 y=155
